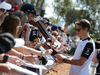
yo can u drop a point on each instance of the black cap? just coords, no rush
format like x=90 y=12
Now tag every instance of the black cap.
x=6 y=42
x=46 y=20
x=29 y=8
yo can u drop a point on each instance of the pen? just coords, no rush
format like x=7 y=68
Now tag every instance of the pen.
x=33 y=54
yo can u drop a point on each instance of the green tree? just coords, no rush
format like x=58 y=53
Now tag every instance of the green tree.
x=54 y=20
x=93 y=7
x=88 y=9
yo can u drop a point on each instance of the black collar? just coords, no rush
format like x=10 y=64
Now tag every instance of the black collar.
x=86 y=39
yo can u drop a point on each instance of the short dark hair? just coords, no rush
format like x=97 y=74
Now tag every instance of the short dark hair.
x=84 y=24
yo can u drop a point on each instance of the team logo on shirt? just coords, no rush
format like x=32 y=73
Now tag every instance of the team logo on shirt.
x=87 y=51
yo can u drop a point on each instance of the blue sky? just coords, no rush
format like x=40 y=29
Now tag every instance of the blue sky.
x=49 y=9
x=50 y=12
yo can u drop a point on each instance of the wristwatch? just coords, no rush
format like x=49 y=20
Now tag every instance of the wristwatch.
x=5 y=58
x=65 y=60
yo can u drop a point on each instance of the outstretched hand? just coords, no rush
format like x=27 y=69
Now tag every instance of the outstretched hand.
x=15 y=60
x=48 y=52
x=60 y=58
x=31 y=58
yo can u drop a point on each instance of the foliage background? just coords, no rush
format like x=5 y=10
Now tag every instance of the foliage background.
x=71 y=12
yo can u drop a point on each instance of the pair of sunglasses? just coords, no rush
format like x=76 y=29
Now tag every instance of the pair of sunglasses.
x=78 y=29
x=3 y=10
x=19 y=26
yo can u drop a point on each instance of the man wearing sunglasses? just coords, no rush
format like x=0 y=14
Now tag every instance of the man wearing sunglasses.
x=84 y=51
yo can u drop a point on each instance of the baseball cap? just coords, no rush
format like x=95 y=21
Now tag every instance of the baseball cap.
x=46 y=20
x=7 y=42
x=29 y=8
x=54 y=27
x=5 y=5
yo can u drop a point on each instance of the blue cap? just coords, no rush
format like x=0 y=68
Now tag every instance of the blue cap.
x=54 y=27
x=29 y=8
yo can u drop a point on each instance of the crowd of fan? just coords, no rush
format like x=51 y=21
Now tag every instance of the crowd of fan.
x=21 y=23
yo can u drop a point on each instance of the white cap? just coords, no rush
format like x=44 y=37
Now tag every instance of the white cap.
x=19 y=42
x=5 y=5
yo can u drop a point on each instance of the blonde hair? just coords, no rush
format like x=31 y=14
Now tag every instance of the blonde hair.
x=23 y=18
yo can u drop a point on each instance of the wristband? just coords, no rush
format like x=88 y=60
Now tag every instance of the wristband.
x=22 y=57
x=5 y=58
x=42 y=54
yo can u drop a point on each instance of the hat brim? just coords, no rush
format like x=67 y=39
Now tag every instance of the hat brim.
x=5 y=5
x=36 y=14
x=19 y=42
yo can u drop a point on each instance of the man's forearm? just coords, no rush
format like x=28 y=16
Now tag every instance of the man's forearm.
x=79 y=62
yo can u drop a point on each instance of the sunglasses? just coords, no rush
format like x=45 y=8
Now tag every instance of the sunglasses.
x=19 y=26
x=78 y=29
x=3 y=10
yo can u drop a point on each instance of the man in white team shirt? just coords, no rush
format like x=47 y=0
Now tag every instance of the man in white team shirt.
x=84 y=51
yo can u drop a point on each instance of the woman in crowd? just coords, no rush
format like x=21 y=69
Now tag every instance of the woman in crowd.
x=12 y=26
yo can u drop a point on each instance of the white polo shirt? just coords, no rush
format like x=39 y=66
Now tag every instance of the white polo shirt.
x=86 y=49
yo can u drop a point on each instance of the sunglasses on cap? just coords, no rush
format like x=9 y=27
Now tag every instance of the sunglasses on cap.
x=32 y=11
x=2 y=10
x=78 y=29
